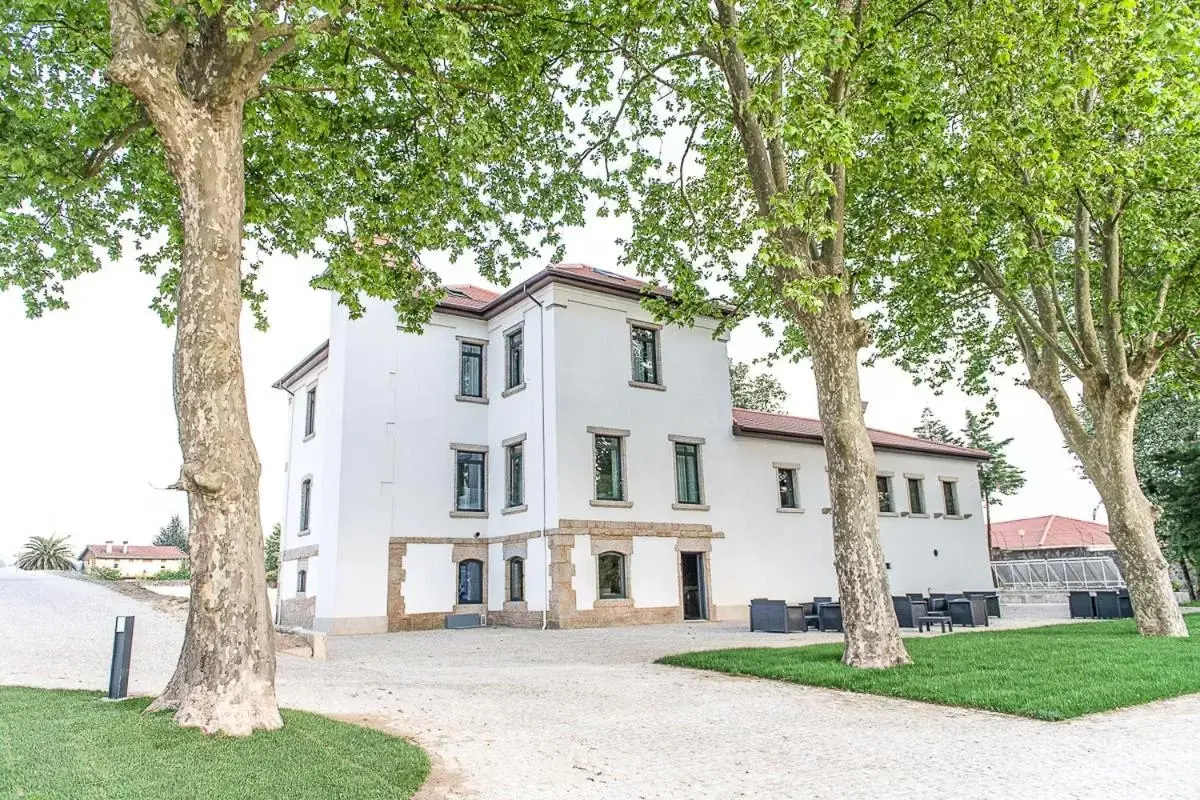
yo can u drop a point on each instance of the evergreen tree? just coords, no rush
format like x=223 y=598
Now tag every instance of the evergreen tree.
x=272 y=554
x=173 y=534
x=935 y=430
x=762 y=392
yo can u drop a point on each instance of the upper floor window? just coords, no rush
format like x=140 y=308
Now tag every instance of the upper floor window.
x=950 y=495
x=688 y=490
x=470 y=581
x=470 y=475
x=609 y=460
x=516 y=579
x=916 y=495
x=310 y=412
x=644 y=343
x=514 y=475
x=887 y=501
x=789 y=497
x=514 y=358
x=610 y=576
x=305 y=503
x=470 y=369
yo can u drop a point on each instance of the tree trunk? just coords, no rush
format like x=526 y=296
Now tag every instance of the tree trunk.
x=1110 y=465
x=225 y=679
x=1187 y=579
x=872 y=632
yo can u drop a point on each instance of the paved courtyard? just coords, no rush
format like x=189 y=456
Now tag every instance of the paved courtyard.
x=585 y=714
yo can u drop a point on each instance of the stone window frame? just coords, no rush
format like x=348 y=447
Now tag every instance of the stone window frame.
x=953 y=481
x=483 y=371
x=623 y=435
x=510 y=551
x=310 y=411
x=508 y=444
x=698 y=441
x=455 y=447
x=891 y=492
x=912 y=513
x=305 y=521
x=624 y=548
x=794 y=468
x=506 y=338
x=471 y=550
x=658 y=385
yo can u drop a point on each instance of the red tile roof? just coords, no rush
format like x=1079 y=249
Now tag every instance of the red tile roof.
x=476 y=297
x=138 y=551
x=484 y=301
x=1050 y=533
x=763 y=423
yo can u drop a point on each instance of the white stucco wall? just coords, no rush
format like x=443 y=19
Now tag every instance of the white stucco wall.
x=430 y=581
x=654 y=572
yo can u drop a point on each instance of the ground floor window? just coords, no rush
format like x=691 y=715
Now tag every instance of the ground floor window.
x=610 y=572
x=470 y=581
x=516 y=579
x=301 y=581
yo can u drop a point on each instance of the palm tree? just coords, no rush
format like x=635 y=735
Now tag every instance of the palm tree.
x=45 y=552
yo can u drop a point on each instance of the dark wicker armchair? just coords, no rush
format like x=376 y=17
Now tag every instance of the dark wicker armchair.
x=908 y=611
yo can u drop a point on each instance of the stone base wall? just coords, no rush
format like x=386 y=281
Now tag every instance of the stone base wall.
x=298 y=612
x=614 y=616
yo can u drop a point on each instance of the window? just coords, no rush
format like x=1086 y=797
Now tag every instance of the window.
x=610 y=573
x=950 y=495
x=644 y=342
x=469 y=477
x=687 y=473
x=301 y=581
x=788 y=496
x=470 y=369
x=514 y=475
x=610 y=478
x=310 y=412
x=883 y=485
x=916 y=496
x=305 y=503
x=514 y=358
x=470 y=581
x=516 y=579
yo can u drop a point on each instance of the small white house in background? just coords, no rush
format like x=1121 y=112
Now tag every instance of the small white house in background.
x=551 y=455
x=133 y=560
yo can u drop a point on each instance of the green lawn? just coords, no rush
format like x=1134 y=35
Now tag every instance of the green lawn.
x=57 y=745
x=1053 y=672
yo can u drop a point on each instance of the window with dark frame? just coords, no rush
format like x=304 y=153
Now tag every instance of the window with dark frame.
x=883 y=485
x=514 y=358
x=470 y=370
x=687 y=473
x=788 y=496
x=516 y=579
x=469 y=480
x=610 y=575
x=916 y=496
x=644 y=342
x=301 y=581
x=609 y=468
x=305 y=503
x=310 y=412
x=514 y=475
x=950 y=495
x=470 y=581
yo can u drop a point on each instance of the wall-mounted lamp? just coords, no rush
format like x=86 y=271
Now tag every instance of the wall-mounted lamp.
x=935 y=552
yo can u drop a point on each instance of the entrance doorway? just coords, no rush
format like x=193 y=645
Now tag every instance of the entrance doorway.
x=695 y=598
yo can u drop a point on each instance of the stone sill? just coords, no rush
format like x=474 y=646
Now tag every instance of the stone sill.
x=918 y=516
x=689 y=506
x=782 y=510
x=889 y=513
x=515 y=509
x=953 y=516
x=466 y=398
x=658 y=387
x=508 y=392
x=611 y=503
x=615 y=602
x=469 y=514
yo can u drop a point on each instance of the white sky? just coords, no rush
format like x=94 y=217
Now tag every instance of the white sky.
x=87 y=426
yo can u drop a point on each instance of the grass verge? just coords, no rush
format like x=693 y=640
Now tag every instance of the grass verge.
x=1052 y=673
x=71 y=745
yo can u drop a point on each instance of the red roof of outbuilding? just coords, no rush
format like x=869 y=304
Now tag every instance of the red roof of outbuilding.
x=746 y=421
x=1050 y=533
x=138 y=551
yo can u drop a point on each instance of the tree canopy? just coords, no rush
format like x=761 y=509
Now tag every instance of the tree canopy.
x=761 y=392
x=1167 y=448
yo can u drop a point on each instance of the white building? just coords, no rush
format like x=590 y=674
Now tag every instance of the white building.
x=551 y=455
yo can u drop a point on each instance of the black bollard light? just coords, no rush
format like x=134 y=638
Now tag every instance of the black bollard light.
x=118 y=676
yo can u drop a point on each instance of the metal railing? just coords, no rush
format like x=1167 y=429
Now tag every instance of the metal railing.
x=1057 y=574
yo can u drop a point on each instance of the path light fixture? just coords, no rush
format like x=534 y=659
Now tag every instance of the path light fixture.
x=118 y=674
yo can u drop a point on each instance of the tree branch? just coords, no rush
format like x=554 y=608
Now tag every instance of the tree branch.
x=113 y=145
x=1110 y=295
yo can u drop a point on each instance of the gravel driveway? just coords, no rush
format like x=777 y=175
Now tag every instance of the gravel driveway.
x=525 y=715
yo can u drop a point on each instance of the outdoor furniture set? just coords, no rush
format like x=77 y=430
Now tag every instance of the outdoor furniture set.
x=912 y=611
x=1100 y=604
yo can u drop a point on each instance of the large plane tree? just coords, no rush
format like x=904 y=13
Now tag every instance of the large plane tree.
x=1045 y=211
x=361 y=133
